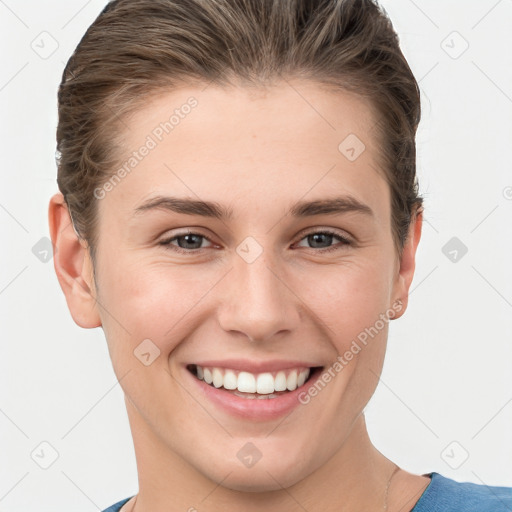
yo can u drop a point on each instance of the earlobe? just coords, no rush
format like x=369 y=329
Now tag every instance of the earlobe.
x=73 y=265
x=408 y=263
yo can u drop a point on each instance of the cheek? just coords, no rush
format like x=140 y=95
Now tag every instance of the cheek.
x=348 y=298
x=146 y=300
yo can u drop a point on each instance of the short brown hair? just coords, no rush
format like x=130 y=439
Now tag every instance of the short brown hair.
x=137 y=47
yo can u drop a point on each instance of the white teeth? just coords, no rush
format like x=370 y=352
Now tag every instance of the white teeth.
x=242 y=395
x=252 y=396
x=230 y=379
x=207 y=375
x=246 y=382
x=265 y=384
x=291 y=381
x=280 y=382
x=250 y=385
x=218 y=378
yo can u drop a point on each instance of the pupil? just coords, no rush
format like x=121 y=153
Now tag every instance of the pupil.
x=314 y=236
x=187 y=239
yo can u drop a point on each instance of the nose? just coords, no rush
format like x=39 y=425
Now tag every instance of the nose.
x=258 y=301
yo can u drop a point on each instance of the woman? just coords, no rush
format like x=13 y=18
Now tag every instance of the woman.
x=239 y=212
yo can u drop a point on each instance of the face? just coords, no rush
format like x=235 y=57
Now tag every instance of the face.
x=283 y=285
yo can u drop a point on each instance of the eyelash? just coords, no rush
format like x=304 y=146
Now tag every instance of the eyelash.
x=345 y=241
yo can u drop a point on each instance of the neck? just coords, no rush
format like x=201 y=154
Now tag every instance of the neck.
x=354 y=478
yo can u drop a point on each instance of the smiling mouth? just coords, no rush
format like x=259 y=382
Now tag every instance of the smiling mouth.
x=249 y=385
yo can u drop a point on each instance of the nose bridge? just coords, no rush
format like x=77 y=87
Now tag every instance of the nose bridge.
x=258 y=302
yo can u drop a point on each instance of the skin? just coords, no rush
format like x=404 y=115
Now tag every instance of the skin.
x=257 y=152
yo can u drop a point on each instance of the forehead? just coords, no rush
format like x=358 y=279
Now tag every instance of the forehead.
x=277 y=143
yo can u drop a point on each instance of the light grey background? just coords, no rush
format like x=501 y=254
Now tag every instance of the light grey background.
x=446 y=389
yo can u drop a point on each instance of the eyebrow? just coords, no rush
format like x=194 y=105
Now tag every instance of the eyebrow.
x=301 y=209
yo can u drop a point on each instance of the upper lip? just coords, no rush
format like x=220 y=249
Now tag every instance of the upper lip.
x=251 y=366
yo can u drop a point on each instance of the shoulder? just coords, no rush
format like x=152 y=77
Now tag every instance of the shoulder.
x=116 y=507
x=446 y=495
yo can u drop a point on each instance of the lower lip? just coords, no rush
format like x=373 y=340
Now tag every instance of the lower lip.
x=255 y=409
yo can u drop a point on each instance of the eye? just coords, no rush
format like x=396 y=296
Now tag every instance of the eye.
x=187 y=242
x=326 y=236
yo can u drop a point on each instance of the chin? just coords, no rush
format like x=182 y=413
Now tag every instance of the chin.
x=271 y=475
x=258 y=482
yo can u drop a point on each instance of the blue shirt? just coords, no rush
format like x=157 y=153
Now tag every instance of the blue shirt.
x=445 y=495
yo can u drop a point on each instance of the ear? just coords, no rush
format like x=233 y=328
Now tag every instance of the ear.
x=407 y=263
x=73 y=265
